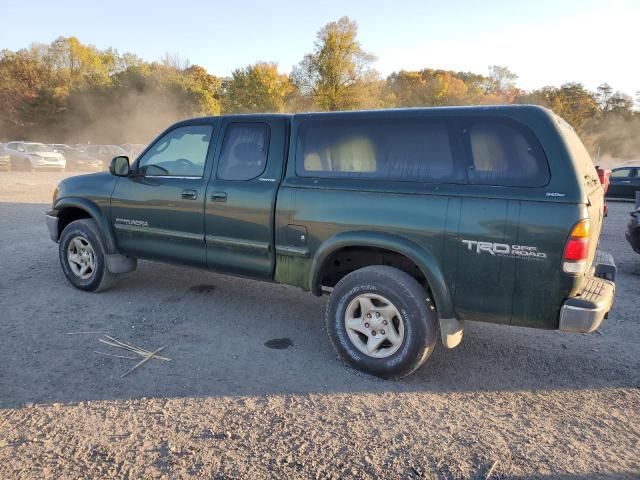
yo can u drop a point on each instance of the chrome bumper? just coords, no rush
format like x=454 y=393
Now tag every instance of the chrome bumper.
x=584 y=313
x=52 y=225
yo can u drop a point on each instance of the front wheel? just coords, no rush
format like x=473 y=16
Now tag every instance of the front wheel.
x=379 y=321
x=82 y=256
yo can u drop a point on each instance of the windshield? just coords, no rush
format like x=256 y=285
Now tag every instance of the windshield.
x=37 y=147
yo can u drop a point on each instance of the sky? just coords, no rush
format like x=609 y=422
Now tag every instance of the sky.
x=544 y=42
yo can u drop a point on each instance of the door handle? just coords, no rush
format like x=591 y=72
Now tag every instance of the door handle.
x=626 y=181
x=189 y=194
x=219 y=196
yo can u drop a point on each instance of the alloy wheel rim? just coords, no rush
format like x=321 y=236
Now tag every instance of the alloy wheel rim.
x=374 y=325
x=81 y=257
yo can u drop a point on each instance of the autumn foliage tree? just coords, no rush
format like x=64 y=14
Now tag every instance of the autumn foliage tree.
x=257 y=88
x=73 y=92
x=336 y=74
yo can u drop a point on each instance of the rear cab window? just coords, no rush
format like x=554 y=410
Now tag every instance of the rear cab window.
x=244 y=151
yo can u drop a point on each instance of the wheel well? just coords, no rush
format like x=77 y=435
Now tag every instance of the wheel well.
x=68 y=215
x=346 y=260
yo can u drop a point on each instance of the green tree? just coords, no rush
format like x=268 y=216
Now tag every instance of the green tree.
x=257 y=88
x=337 y=73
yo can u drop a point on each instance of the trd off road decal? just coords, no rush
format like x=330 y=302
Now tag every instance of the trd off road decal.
x=504 y=250
x=135 y=223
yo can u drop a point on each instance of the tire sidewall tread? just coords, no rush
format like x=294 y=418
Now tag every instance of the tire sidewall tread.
x=408 y=296
x=88 y=229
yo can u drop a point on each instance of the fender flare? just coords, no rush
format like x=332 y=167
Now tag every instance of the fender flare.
x=403 y=246
x=96 y=214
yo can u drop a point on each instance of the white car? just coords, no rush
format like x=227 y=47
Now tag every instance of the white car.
x=31 y=155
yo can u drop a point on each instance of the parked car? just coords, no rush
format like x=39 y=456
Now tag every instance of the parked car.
x=105 y=152
x=32 y=155
x=633 y=230
x=58 y=147
x=80 y=159
x=624 y=182
x=413 y=221
x=604 y=175
x=5 y=160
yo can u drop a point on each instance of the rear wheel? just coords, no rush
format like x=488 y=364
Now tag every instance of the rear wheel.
x=82 y=256
x=379 y=321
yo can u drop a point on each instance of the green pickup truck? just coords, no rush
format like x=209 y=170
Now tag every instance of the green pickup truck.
x=412 y=220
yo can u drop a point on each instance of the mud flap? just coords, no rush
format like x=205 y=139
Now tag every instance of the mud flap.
x=451 y=330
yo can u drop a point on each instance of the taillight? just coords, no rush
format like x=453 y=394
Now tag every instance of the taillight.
x=576 y=250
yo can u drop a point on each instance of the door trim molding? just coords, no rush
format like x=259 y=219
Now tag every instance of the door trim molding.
x=292 y=251
x=159 y=232
x=236 y=243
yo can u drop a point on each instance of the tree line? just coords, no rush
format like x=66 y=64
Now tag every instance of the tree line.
x=70 y=92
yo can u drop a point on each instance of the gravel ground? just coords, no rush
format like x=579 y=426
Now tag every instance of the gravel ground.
x=530 y=404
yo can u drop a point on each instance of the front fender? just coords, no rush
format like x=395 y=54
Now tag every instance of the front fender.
x=420 y=256
x=96 y=214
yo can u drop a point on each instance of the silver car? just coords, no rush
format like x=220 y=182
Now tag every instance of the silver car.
x=31 y=155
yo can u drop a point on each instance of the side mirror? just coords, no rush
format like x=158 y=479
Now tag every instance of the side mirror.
x=119 y=166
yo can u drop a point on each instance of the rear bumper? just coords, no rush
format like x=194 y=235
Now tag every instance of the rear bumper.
x=585 y=312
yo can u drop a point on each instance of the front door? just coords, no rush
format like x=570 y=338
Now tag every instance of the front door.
x=240 y=200
x=158 y=211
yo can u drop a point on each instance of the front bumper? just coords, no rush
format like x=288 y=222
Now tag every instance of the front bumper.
x=52 y=225
x=585 y=311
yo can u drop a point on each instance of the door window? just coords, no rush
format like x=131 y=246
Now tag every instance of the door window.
x=621 y=173
x=180 y=153
x=244 y=151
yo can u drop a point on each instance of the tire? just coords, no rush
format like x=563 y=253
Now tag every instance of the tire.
x=389 y=290
x=26 y=164
x=85 y=232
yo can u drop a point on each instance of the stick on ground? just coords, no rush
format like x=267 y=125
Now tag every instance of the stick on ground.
x=490 y=472
x=142 y=362
x=125 y=346
x=117 y=356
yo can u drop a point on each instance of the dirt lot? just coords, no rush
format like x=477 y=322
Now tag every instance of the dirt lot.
x=529 y=403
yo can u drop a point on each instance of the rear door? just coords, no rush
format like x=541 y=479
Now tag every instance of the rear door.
x=240 y=198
